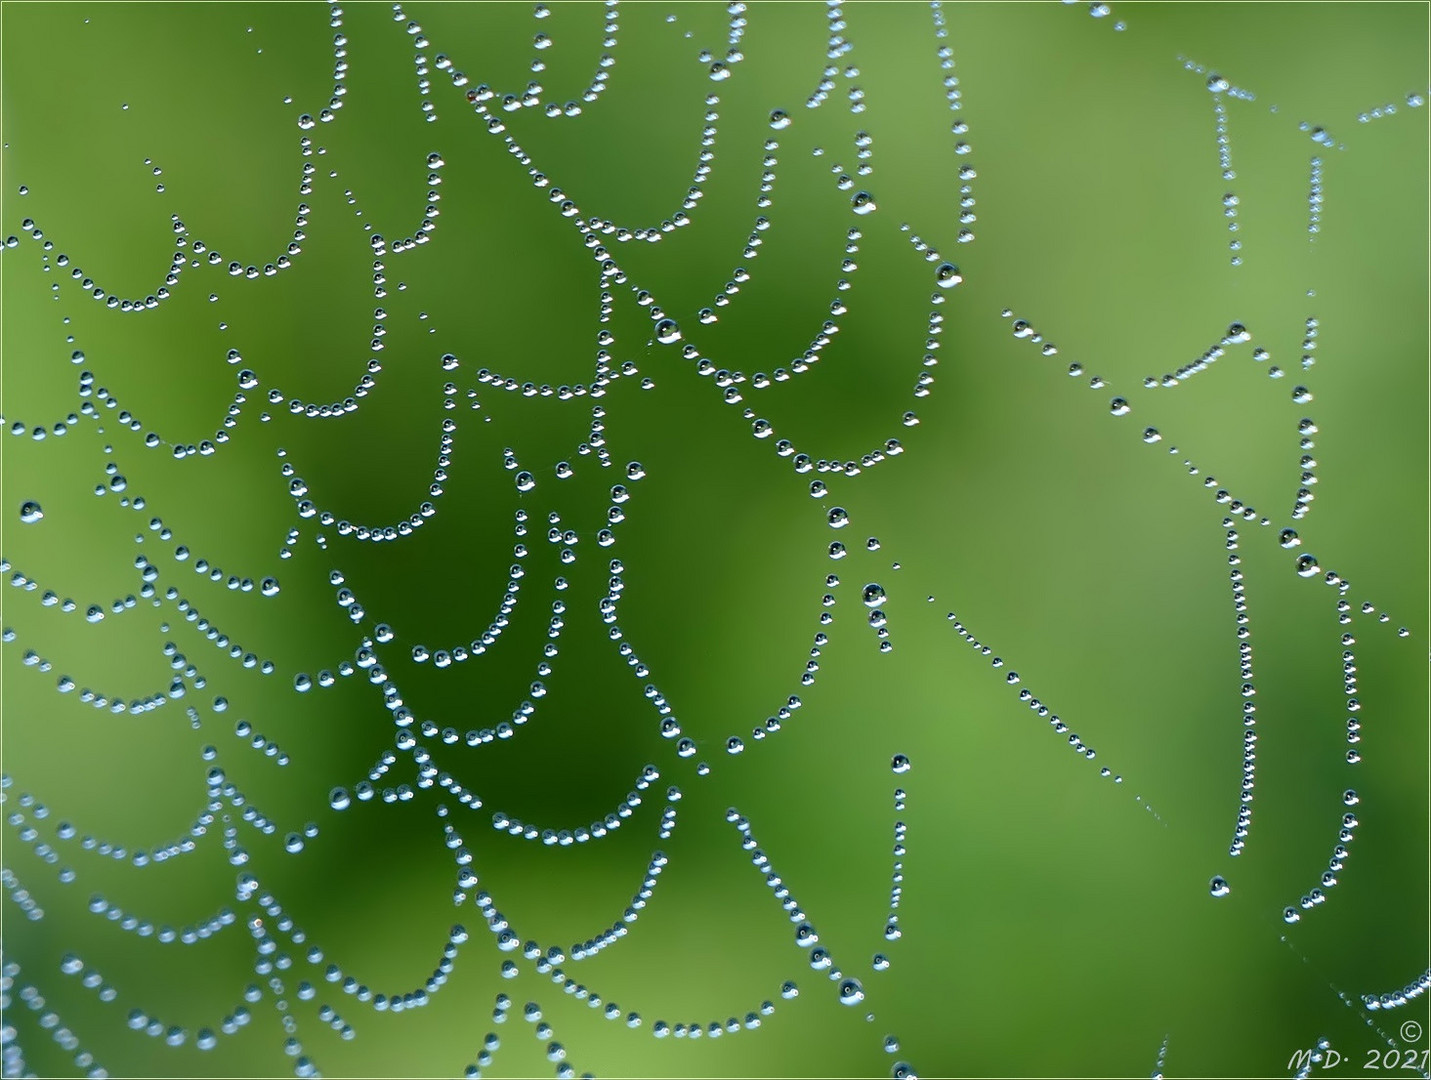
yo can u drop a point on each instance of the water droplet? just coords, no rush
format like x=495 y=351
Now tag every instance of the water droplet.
x=30 y=512
x=862 y=202
x=899 y=763
x=1289 y=538
x=1119 y=407
x=947 y=276
x=1307 y=566
x=779 y=119
x=873 y=595
x=1219 y=886
x=851 y=992
x=667 y=332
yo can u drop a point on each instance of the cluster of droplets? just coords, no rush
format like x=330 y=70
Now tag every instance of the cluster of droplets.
x=1349 y=687
x=1314 y=198
x=1218 y=87
x=532 y=1013
x=1309 y=342
x=223 y=797
x=850 y=991
x=899 y=765
x=1013 y=681
x=1414 y=100
x=125 y=419
x=1293 y=912
x=110 y=300
x=1248 y=690
x=1398 y=998
x=12 y=1056
x=503 y=822
x=958 y=127
x=556 y=1053
x=114 y=703
x=1302 y=506
x=546 y=960
x=946 y=275
x=1237 y=334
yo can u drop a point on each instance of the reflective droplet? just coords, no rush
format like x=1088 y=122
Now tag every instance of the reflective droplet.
x=862 y=202
x=668 y=332
x=873 y=595
x=947 y=276
x=1307 y=566
x=779 y=119
x=851 y=992
x=1219 y=886
x=30 y=512
x=899 y=763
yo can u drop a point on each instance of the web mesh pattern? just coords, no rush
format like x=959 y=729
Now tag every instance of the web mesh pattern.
x=669 y=478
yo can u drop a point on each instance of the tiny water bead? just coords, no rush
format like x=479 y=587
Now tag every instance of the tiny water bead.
x=862 y=202
x=1219 y=886
x=30 y=512
x=899 y=764
x=873 y=595
x=851 y=992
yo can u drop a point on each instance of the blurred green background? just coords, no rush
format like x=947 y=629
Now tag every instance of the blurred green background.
x=1054 y=922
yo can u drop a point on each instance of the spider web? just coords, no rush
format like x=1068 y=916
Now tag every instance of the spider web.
x=530 y=529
